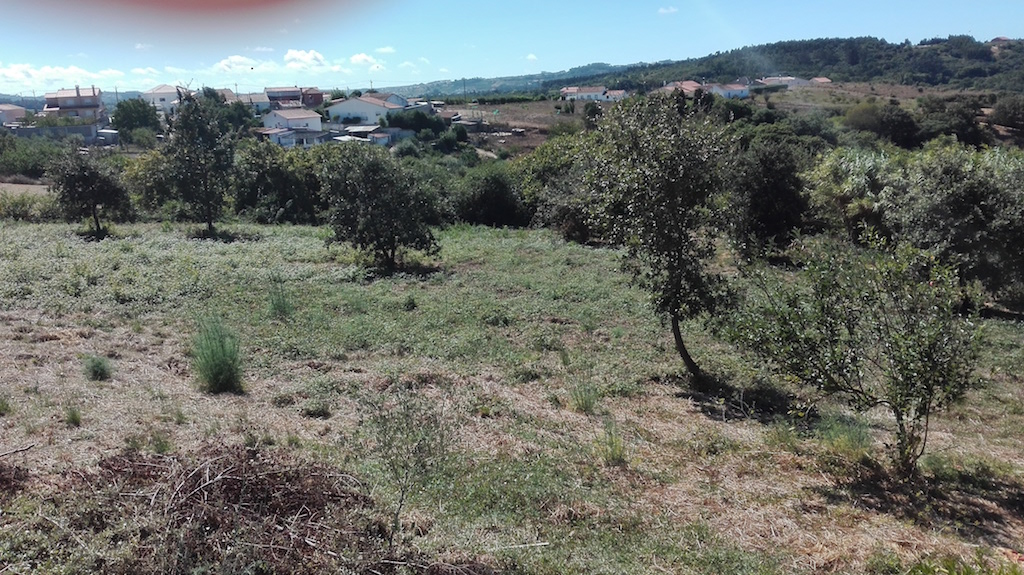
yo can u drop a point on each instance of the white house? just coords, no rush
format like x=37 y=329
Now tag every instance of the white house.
x=388 y=97
x=361 y=110
x=788 y=81
x=294 y=119
x=258 y=101
x=729 y=91
x=595 y=93
x=163 y=98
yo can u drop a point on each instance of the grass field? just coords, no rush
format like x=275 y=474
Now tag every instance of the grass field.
x=514 y=399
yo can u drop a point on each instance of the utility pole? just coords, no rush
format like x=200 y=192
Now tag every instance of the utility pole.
x=464 y=97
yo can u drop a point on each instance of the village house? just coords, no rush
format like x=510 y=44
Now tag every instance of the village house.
x=362 y=110
x=788 y=81
x=293 y=120
x=10 y=113
x=163 y=97
x=729 y=91
x=258 y=101
x=688 y=87
x=593 y=93
x=78 y=103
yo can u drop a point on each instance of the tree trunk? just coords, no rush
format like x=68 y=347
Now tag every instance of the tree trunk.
x=96 y=220
x=691 y=365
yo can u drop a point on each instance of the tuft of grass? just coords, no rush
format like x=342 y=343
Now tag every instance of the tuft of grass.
x=611 y=447
x=281 y=305
x=216 y=358
x=316 y=408
x=585 y=397
x=5 y=406
x=97 y=368
x=72 y=416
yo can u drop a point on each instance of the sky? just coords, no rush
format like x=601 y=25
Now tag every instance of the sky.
x=246 y=45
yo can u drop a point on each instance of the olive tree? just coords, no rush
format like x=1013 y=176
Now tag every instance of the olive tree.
x=653 y=178
x=880 y=327
x=85 y=189
x=373 y=203
x=199 y=156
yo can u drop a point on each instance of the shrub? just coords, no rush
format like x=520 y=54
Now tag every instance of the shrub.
x=487 y=195
x=5 y=406
x=72 y=416
x=280 y=302
x=216 y=358
x=611 y=447
x=97 y=368
x=585 y=397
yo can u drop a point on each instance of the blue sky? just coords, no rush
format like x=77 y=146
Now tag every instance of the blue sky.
x=135 y=45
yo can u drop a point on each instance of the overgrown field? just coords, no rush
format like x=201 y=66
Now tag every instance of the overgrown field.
x=513 y=403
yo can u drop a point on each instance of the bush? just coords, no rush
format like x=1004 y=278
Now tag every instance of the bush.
x=487 y=195
x=97 y=368
x=215 y=354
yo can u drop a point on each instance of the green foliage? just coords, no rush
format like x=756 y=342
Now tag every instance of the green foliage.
x=585 y=397
x=280 y=302
x=5 y=406
x=373 y=203
x=85 y=189
x=216 y=358
x=97 y=368
x=765 y=204
x=416 y=120
x=653 y=177
x=1009 y=111
x=411 y=435
x=274 y=185
x=143 y=138
x=27 y=156
x=199 y=158
x=488 y=195
x=131 y=115
x=878 y=328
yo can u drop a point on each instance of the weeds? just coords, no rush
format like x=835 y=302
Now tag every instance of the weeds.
x=585 y=397
x=72 y=416
x=216 y=358
x=5 y=406
x=281 y=305
x=97 y=368
x=611 y=447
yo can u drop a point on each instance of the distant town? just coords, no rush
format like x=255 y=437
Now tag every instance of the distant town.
x=306 y=116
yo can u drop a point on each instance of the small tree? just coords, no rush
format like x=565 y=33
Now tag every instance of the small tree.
x=199 y=158
x=373 y=203
x=83 y=188
x=130 y=115
x=880 y=327
x=653 y=176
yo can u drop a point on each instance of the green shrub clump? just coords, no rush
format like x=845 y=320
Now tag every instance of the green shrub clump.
x=216 y=358
x=97 y=368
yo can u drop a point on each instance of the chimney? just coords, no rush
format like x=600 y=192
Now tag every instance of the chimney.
x=78 y=93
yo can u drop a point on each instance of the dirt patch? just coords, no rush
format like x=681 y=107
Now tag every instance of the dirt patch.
x=31 y=189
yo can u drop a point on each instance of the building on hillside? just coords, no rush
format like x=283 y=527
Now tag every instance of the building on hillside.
x=361 y=110
x=163 y=97
x=287 y=138
x=820 y=80
x=729 y=91
x=687 y=87
x=9 y=113
x=592 y=93
x=85 y=104
x=788 y=81
x=293 y=120
x=387 y=97
x=312 y=97
x=258 y=101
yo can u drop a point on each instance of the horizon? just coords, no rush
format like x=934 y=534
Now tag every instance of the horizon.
x=247 y=45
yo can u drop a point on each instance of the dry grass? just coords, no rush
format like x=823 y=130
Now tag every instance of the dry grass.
x=701 y=474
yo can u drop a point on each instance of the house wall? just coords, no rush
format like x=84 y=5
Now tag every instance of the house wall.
x=11 y=114
x=163 y=101
x=276 y=120
x=368 y=113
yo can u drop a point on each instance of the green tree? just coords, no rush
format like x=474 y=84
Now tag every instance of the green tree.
x=130 y=115
x=83 y=188
x=199 y=156
x=766 y=203
x=488 y=195
x=373 y=204
x=881 y=328
x=653 y=177
x=270 y=188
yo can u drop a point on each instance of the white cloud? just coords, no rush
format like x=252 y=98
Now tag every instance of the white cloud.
x=363 y=59
x=443 y=70
x=144 y=47
x=425 y=61
x=407 y=64
x=304 y=59
x=385 y=50
x=669 y=10
x=531 y=57
x=145 y=71
x=262 y=49
x=19 y=78
x=235 y=64
x=174 y=70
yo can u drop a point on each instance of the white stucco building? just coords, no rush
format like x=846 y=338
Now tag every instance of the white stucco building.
x=163 y=97
x=361 y=110
x=293 y=119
